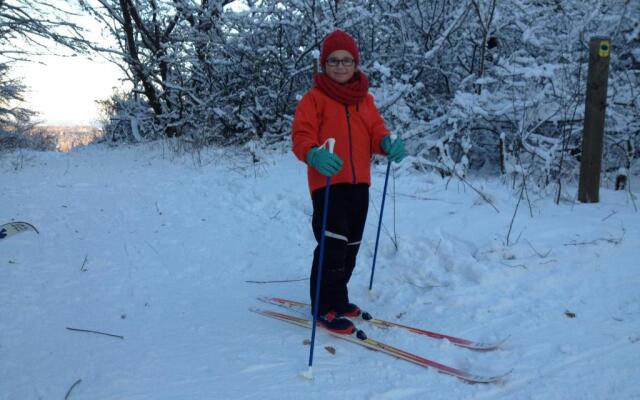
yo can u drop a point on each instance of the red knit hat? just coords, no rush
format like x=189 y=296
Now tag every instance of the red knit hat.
x=339 y=40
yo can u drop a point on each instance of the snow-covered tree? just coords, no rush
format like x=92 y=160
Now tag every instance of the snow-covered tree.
x=471 y=85
x=11 y=93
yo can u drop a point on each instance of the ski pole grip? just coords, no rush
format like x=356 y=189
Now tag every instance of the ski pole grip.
x=331 y=142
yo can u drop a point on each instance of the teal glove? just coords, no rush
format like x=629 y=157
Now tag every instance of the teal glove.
x=394 y=150
x=326 y=163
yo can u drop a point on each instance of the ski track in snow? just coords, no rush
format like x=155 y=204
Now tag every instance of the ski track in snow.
x=169 y=246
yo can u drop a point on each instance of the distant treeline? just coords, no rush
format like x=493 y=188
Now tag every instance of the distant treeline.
x=48 y=138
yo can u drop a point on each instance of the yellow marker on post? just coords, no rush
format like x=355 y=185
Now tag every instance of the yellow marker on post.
x=604 y=49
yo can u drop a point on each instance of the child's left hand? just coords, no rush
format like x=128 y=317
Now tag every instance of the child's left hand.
x=394 y=149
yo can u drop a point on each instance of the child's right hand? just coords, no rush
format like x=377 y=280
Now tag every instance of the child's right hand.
x=326 y=163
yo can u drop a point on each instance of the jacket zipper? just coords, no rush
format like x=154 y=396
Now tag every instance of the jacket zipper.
x=353 y=168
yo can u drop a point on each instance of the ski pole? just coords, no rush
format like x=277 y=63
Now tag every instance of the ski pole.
x=384 y=194
x=309 y=374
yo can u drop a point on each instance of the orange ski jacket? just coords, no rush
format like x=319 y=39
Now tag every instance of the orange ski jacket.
x=358 y=130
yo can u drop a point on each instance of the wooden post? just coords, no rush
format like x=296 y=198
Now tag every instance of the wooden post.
x=595 y=106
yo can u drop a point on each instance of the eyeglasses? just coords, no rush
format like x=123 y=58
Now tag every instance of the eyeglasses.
x=334 y=62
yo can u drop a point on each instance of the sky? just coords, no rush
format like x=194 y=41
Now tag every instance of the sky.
x=64 y=89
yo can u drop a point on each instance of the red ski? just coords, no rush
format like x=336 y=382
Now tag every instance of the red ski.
x=469 y=344
x=359 y=338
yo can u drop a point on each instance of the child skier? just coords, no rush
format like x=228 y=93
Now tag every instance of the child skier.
x=339 y=106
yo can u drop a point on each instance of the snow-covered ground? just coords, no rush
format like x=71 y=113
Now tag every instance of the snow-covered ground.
x=165 y=253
